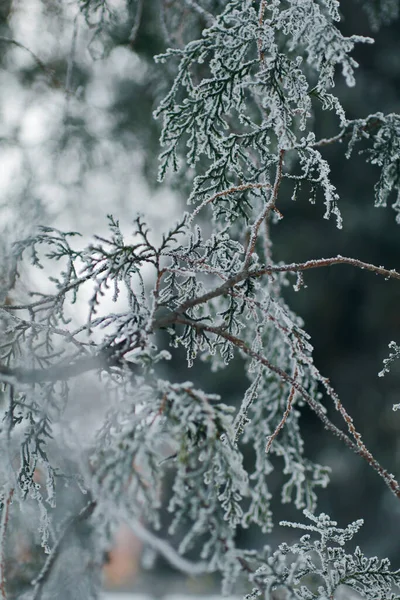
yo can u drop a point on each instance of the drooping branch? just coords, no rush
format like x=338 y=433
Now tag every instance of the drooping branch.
x=112 y=356
x=268 y=270
x=358 y=447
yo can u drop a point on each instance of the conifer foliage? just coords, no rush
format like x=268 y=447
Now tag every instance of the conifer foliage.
x=250 y=79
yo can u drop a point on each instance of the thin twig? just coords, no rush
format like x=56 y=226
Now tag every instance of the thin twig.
x=361 y=450
x=327 y=262
x=346 y=133
x=285 y=416
x=109 y=359
x=261 y=13
x=291 y=268
x=277 y=183
x=264 y=215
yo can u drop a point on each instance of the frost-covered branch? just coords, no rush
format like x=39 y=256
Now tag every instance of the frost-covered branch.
x=240 y=118
x=317 y=408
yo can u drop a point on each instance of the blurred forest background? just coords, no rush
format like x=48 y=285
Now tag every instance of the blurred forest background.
x=78 y=141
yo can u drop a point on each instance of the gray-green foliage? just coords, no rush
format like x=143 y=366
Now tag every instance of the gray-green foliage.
x=239 y=119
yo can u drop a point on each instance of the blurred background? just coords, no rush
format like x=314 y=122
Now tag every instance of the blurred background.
x=77 y=141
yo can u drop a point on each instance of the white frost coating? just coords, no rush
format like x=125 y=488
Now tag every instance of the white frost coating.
x=240 y=117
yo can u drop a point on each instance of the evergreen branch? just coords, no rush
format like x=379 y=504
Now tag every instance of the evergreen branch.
x=359 y=449
x=106 y=359
x=268 y=270
x=238 y=188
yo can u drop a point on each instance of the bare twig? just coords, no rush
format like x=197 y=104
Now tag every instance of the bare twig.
x=328 y=262
x=282 y=422
x=291 y=268
x=262 y=218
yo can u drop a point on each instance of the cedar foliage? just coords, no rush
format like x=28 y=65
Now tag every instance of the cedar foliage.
x=249 y=80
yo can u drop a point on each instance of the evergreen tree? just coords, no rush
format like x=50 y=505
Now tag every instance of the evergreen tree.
x=247 y=114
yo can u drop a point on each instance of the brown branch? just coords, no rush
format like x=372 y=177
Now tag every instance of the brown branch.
x=111 y=358
x=282 y=422
x=267 y=242
x=261 y=13
x=327 y=262
x=361 y=450
x=263 y=216
x=268 y=270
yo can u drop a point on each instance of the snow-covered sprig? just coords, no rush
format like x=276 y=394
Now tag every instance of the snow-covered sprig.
x=393 y=356
x=317 y=567
x=263 y=69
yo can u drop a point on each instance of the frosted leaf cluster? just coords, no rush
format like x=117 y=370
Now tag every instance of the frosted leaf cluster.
x=318 y=565
x=380 y=136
